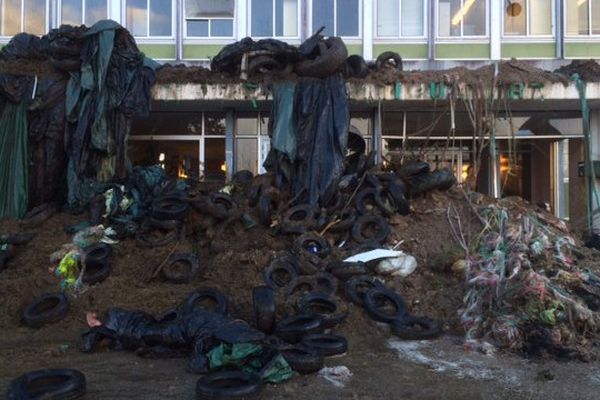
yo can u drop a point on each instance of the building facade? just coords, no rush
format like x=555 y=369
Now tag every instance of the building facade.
x=539 y=146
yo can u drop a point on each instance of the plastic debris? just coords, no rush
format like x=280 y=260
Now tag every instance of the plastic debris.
x=403 y=266
x=372 y=255
x=339 y=375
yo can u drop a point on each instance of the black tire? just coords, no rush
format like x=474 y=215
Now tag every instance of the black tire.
x=327 y=62
x=96 y=272
x=172 y=274
x=97 y=254
x=415 y=328
x=221 y=205
x=206 y=293
x=381 y=225
x=296 y=219
x=167 y=208
x=266 y=208
x=292 y=329
x=390 y=58
x=254 y=195
x=271 y=274
x=397 y=190
x=263 y=64
x=325 y=344
x=302 y=360
x=313 y=244
x=66 y=64
x=243 y=178
x=412 y=168
x=345 y=270
x=440 y=179
x=356 y=67
x=144 y=239
x=347 y=221
x=38 y=215
x=263 y=301
x=63 y=384
x=357 y=286
x=325 y=306
x=372 y=304
x=228 y=384
x=320 y=282
x=363 y=198
x=386 y=202
x=46 y=309
x=20 y=239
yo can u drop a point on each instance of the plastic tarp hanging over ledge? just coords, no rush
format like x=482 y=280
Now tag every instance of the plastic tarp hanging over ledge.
x=320 y=126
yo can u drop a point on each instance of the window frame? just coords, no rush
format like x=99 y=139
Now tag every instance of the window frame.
x=298 y=16
x=360 y=19
x=528 y=34
x=148 y=37
x=210 y=37
x=83 y=2
x=22 y=23
x=474 y=38
x=589 y=26
x=399 y=22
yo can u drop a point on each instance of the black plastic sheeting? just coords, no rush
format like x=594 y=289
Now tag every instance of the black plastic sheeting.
x=80 y=116
x=321 y=121
x=189 y=332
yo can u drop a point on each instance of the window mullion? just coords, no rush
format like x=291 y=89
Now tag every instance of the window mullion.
x=274 y=21
x=590 y=17
x=462 y=20
x=335 y=18
x=83 y=11
x=400 y=18
x=148 y=18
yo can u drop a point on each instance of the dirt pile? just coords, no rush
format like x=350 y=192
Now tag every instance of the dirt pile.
x=588 y=70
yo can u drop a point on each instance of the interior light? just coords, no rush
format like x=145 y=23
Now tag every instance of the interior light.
x=224 y=167
x=458 y=17
x=514 y=9
x=161 y=157
x=581 y=2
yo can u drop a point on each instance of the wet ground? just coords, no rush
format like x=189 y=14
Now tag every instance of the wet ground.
x=381 y=368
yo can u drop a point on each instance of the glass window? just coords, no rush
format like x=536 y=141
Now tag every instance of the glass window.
x=179 y=158
x=462 y=18
x=23 y=16
x=246 y=154
x=580 y=13
x=214 y=159
x=339 y=17
x=209 y=18
x=246 y=125
x=528 y=17
x=400 y=18
x=595 y=6
x=72 y=11
x=278 y=18
x=159 y=23
x=214 y=124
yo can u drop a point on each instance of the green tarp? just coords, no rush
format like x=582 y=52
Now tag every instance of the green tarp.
x=13 y=160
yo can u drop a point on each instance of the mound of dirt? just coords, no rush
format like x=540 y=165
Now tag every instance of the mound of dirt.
x=588 y=70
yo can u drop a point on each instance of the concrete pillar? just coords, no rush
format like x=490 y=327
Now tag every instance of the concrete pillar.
x=496 y=29
x=367 y=29
x=229 y=126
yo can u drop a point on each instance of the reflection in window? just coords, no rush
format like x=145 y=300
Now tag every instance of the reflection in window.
x=179 y=158
x=277 y=18
x=214 y=124
x=23 y=16
x=72 y=11
x=159 y=23
x=400 y=18
x=579 y=15
x=462 y=18
x=528 y=17
x=339 y=17
x=215 y=168
x=206 y=18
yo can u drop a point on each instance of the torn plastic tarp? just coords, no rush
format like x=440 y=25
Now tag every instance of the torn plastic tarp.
x=284 y=131
x=13 y=160
x=195 y=332
x=321 y=120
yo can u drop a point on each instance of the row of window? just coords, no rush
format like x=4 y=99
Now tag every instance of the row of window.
x=281 y=18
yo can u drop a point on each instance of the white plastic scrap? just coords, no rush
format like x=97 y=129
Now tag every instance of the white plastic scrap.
x=403 y=265
x=338 y=376
x=395 y=262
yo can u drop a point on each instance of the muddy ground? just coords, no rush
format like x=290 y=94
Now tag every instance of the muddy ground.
x=381 y=368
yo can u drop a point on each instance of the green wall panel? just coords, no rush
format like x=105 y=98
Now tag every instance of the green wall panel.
x=582 y=50
x=528 y=50
x=201 y=51
x=354 y=49
x=406 y=51
x=462 y=51
x=159 y=51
